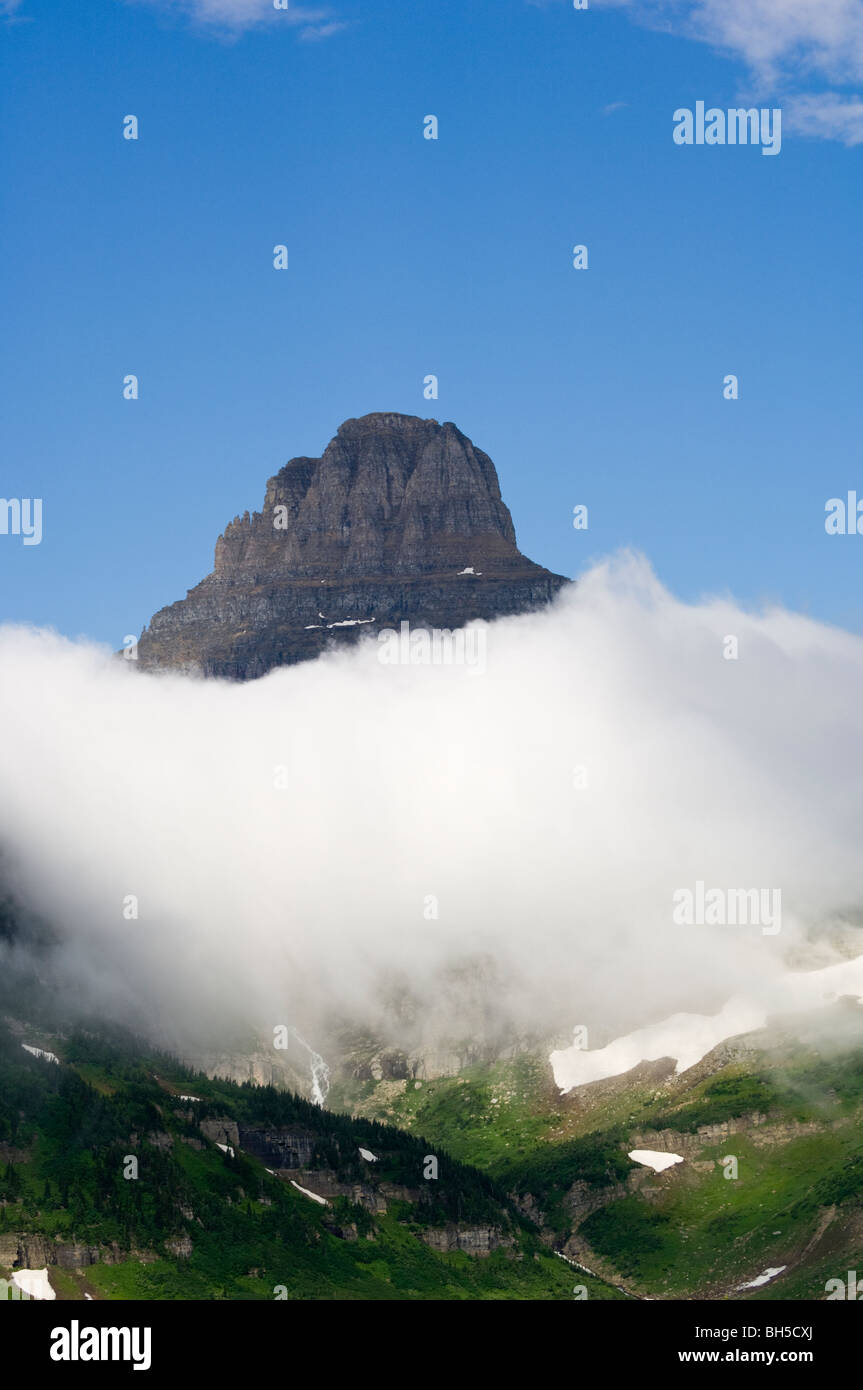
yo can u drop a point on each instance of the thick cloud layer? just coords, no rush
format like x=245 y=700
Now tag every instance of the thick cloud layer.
x=289 y=841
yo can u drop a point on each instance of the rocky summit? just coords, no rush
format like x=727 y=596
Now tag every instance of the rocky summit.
x=401 y=519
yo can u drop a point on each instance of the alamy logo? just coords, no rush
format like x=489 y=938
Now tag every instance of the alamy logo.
x=76 y=1343
x=10 y=1290
x=435 y=647
x=21 y=516
x=728 y=907
x=739 y=126
x=844 y=516
x=838 y=1288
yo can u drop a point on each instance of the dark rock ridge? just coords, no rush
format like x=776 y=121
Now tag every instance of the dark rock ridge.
x=400 y=520
x=280 y=1147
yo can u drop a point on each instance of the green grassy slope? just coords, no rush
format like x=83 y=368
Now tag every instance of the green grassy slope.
x=792 y=1117
x=67 y=1131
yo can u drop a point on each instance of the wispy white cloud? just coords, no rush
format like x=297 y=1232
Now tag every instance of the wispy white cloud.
x=785 y=45
x=323 y=31
x=826 y=116
x=236 y=16
x=777 y=39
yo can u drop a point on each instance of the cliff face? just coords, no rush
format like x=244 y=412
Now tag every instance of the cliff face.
x=400 y=520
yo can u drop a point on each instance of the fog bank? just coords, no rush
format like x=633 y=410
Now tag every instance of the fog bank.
x=293 y=841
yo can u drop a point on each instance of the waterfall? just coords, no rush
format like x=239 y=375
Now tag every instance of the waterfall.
x=320 y=1071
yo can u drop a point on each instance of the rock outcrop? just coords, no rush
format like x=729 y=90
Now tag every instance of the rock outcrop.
x=22 y=1250
x=279 y=1148
x=400 y=520
x=470 y=1240
x=222 y=1130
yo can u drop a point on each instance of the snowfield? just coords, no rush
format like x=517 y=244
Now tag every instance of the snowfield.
x=762 y=1278
x=651 y=1158
x=322 y=1201
x=33 y=1282
x=689 y=1037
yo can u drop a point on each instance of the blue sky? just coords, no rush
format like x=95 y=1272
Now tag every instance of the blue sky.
x=410 y=257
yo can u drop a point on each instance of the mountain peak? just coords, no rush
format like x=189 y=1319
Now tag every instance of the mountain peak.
x=379 y=420
x=401 y=518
